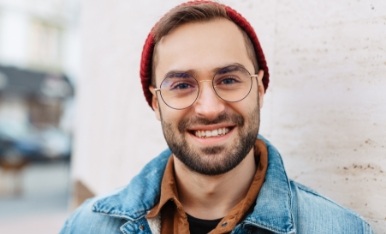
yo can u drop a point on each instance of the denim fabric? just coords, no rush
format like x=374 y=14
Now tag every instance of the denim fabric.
x=283 y=206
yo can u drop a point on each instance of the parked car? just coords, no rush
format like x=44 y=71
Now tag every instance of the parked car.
x=33 y=144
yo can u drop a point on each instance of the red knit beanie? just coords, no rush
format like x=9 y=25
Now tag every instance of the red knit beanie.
x=148 y=49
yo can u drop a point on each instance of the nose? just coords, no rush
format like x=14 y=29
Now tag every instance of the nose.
x=208 y=104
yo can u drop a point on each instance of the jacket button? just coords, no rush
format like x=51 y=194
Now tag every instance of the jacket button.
x=141 y=227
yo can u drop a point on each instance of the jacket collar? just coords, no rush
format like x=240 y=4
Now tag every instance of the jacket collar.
x=272 y=210
x=142 y=193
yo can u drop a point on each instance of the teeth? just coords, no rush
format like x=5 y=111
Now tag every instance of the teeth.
x=212 y=133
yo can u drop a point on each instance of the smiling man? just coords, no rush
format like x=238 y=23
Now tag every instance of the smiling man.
x=204 y=74
x=208 y=103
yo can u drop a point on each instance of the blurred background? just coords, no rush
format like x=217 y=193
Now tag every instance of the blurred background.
x=74 y=122
x=39 y=59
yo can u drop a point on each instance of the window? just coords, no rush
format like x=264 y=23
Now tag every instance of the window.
x=44 y=44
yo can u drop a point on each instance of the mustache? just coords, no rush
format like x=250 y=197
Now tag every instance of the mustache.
x=221 y=118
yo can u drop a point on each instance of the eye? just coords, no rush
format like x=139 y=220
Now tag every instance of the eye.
x=227 y=80
x=181 y=86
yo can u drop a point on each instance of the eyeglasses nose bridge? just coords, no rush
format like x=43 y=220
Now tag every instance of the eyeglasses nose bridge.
x=207 y=80
x=200 y=88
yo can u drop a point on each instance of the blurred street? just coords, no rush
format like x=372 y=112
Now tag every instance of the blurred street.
x=41 y=206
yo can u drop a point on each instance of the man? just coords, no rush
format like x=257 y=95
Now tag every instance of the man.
x=204 y=73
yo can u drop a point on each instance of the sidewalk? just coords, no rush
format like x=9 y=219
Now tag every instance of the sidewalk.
x=42 y=206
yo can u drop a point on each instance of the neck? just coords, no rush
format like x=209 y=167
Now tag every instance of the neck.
x=212 y=197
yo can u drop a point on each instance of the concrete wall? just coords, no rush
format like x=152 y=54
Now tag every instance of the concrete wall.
x=325 y=109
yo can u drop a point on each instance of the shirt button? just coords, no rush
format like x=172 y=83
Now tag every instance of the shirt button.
x=141 y=227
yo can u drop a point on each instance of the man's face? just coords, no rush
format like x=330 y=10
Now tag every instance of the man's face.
x=212 y=136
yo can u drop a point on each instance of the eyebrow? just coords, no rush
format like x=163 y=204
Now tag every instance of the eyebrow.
x=179 y=74
x=230 y=68
x=219 y=70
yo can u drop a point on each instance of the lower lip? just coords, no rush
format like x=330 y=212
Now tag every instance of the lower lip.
x=211 y=141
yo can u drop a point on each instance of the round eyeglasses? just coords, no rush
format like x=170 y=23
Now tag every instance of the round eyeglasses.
x=179 y=90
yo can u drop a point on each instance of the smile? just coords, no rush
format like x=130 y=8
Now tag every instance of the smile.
x=211 y=133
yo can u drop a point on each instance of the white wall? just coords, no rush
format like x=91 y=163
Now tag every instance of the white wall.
x=18 y=34
x=325 y=109
x=13 y=31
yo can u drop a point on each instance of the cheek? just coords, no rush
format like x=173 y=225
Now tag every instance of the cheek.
x=170 y=116
x=252 y=99
x=249 y=105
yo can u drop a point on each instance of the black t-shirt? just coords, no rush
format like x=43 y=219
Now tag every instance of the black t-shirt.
x=201 y=226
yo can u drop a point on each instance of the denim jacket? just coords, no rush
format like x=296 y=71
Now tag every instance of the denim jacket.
x=283 y=206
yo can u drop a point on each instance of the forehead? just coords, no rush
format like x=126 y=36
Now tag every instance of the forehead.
x=201 y=46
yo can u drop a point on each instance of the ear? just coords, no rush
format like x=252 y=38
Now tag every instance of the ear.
x=154 y=103
x=260 y=87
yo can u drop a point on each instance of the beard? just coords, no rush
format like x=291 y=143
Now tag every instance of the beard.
x=213 y=160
